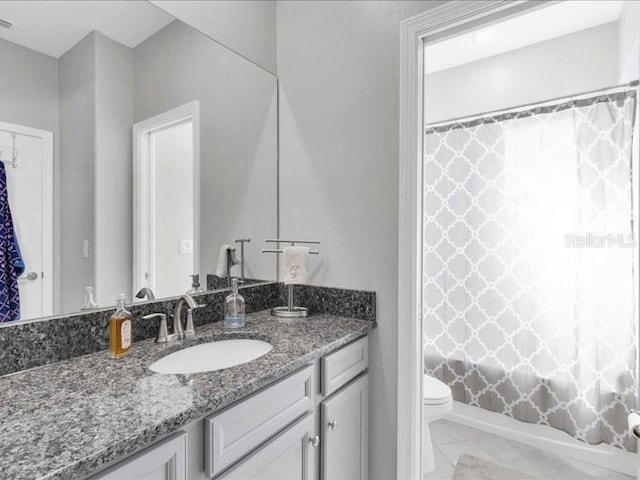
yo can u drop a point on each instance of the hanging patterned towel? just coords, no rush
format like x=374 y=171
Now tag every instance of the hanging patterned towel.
x=11 y=264
x=294 y=260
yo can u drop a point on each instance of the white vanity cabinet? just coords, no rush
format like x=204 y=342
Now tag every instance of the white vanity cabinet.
x=310 y=425
x=165 y=460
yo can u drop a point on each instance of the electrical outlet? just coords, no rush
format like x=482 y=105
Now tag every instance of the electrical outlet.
x=185 y=247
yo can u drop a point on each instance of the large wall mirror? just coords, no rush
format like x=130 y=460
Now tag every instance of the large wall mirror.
x=135 y=148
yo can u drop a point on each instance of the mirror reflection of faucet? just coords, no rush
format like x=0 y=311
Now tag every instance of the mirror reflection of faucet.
x=227 y=258
x=145 y=292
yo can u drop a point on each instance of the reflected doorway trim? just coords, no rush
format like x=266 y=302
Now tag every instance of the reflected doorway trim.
x=438 y=23
x=47 y=208
x=142 y=168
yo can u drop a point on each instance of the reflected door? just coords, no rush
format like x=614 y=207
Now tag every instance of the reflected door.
x=166 y=201
x=172 y=158
x=30 y=186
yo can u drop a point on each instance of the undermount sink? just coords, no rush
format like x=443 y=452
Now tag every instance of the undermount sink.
x=211 y=356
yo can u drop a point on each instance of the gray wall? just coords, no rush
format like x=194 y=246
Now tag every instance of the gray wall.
x=96 y=114
x=574 y=63
x=629 y=41
x=238 y=135
x=77 y=174
x=247 y=27
x=338 y=64
x=31 y=78
x=113 y=170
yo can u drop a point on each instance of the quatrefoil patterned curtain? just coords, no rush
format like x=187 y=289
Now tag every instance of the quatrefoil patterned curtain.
x=529 y=274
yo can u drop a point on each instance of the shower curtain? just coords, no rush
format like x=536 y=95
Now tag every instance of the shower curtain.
x=529 y=264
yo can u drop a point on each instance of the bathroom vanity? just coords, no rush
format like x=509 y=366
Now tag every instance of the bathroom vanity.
x=313 y=420
x=299 y=411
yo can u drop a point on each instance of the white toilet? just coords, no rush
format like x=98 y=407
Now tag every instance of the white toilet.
x=436 y=403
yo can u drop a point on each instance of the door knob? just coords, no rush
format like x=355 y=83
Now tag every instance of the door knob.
x=31 y=276
x=314 y=441
x=333 y=424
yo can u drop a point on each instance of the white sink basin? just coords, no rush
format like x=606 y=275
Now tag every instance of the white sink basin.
x=211 y=356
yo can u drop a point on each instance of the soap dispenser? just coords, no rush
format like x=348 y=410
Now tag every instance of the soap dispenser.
x=195 y=284
x=120 y=334
x=234 y=308
x=89 y=301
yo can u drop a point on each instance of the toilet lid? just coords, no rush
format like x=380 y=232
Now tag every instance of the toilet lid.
x=435 y=391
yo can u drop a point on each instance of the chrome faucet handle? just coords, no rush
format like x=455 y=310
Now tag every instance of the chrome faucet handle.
x=189 y=330
x=163 y=333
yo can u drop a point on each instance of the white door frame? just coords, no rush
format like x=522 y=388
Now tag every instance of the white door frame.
x=448 y=19
x=143 y=170
x=47 y=207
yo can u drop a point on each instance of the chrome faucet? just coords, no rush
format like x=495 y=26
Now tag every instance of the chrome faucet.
x=189 y=330
x=178 y=331
x=146 y=292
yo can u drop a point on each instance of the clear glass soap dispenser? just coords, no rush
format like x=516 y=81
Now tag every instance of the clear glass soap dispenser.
x=234 y=309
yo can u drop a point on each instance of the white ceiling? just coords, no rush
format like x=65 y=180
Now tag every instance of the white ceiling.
x=53 y=27
x=537 y=26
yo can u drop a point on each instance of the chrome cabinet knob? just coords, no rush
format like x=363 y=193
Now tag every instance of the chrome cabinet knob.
x=333 y=425
x=314 y=441
x=31 y=276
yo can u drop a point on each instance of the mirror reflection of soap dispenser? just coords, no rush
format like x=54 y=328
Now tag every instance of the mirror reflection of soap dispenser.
x=195 y=284
x=234 y=308
x=89 y=301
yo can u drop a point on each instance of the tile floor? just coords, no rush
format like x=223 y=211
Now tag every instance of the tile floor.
x=451 y=440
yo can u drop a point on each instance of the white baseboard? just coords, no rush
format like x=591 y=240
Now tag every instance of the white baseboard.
x=546 y=438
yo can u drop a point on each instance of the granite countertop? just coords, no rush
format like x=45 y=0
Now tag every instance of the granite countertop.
x=67 y=420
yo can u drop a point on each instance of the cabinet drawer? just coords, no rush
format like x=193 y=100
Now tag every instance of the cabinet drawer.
x=234 y=432
x=285 y=457
x=339 y=367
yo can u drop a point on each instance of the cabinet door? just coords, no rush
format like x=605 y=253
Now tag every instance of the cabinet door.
x=288 y=456
x=344 y=422
x=163 y=461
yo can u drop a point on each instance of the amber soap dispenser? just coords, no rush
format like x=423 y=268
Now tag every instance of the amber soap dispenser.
x=120 y=334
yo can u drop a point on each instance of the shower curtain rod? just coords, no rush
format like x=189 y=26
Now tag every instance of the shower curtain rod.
x=592 y=93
